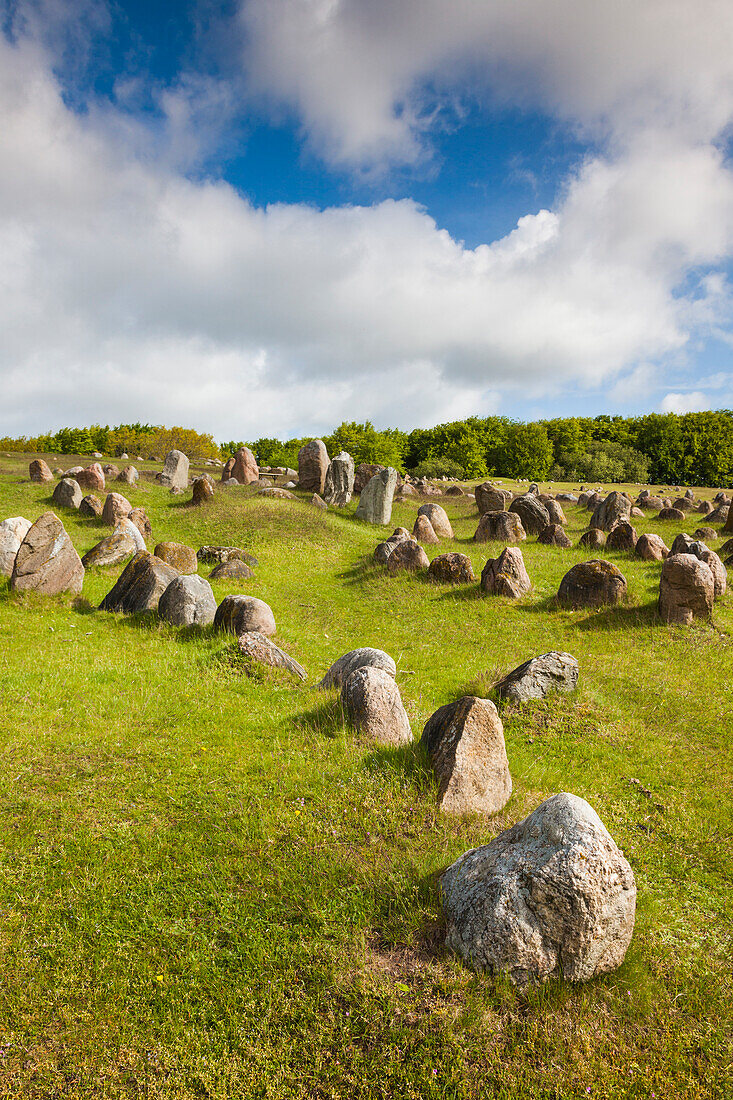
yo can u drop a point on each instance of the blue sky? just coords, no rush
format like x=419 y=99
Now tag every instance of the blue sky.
x=265 y=216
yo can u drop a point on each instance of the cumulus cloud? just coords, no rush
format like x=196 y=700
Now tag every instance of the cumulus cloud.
x=129 y=291
x=684 y=402
x=370 y=79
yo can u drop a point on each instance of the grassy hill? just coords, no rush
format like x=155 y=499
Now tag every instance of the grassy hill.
x=211 y=887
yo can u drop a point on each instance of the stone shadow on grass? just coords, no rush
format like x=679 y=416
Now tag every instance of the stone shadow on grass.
x=326 y=717
x=404 y=760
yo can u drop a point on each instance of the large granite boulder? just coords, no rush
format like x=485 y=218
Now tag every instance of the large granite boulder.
x=241 y=614
x=188 y=601
x=116 y=507
x=651 y=548
x=365 y=657
x=616 y=506
x=451 y=569
x=39 y=471
x=46 y=561
x=183 y=558
x=375 y=502
x=339 y=485
x=92 y=478
x=592 y=584
x=553 y=896
x=67 y=493
x=244 y=468
x=258 y=652
x=532 y=512
x=500 y=527
x=686 y=589
x=372 y=703
x=506 y=575
x=313 y=467
x=465 y=745
x=12 y=533
x=540 y=676
x=438 y=520
x=140 y=585
x=174 y=474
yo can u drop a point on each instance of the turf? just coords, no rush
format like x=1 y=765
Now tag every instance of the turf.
x=211 y=887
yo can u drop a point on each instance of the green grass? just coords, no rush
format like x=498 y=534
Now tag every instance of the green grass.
x=210 y=887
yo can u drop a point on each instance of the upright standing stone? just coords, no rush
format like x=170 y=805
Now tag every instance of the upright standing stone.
x=339 y=484
x=244 y=468
x=140 y=585
x=92 y=477
x=46 y=561
x=465 y=743
x=375 y=502
x=313 y=467
x=39 y=471
x=67 y=493
x=686 y=589
x=616 y=506
x=12 y=533
x=188 y=601
x=364 y=473
x=175 y=470
x=371 y=699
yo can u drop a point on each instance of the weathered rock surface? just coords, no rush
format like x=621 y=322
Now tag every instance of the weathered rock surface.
x=438 y=520
x=183 y=558
x=203 y=491
x=128 y=476
x=465 y=744
x=506 y=575
x=532 y=512
x=554 y=511
x=116 y=507
x=339 y=486
x=719 y=571
x=551 y=896
x=364 y=473
x=489 y=498
x=175 y=470
x=365 y=657
x=553 y=535
x=686 y=589
x=213 y=555
x=671 y=514
x=188 y=601
x=372 y=702
x=113 y=549
x=46 y=561
x=616 y=506
x=593 y=538
x=313 y=467
x=622 y=536
x=12 y=533
x=276 y=494
x=375 y=502
x=242 y=614
x=407 y=556
x=592 y=584
x=499 y=527
x=231 y=570
x=92 y=477
x=260 y=651
x=111 y=471
x=540 y=676
x=651 y=548
x=244 y=468
x=706 y=534
x=90 y=505
x=67 y=493
x=451 y=569
x=39 y=471
x=384 y=549
x=728 y=528
x=423 y=531
x=140 y=585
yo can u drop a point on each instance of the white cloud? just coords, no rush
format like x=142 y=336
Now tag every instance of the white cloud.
x=369 y=79
x=128 y=291
x=684 y=402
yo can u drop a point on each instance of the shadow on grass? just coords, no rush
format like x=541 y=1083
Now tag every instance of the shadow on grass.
x=410 y=761
x=325 y=718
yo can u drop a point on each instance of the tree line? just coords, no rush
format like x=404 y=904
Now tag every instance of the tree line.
x=692 y=449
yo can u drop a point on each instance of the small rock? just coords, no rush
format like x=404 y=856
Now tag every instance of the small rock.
x=423 y=531
x=203 y=491
x=116 y=507
x=532 y=512
x=438 y=518
x=241 y=614
x=622 y=536
x=138 y=516
x=553 y=535
x=90 y=505
x=188 y=601
x=451 y=569
x=313 y=467
x=12 y=533
x=259 y=650
x=231 y=570
x=499 y=527
x=129 y=476
x=616 y=506
x=651 y=548
x=686 y=589
x=593 y=539
x=319 y=502
x=92 y=477
x=506 y=575
x=174 y=474
x=539 y=677
x=67 y=493
x=409 y=556
x=592 y=584
x=211 y=555
x=38 y=471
